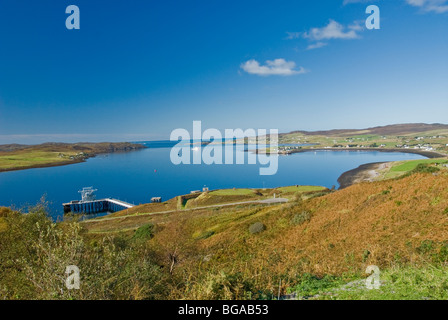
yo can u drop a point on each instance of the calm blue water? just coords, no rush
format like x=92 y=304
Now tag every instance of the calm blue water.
x=137 y=176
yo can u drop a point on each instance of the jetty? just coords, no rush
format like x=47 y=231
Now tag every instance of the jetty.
x=90 y=205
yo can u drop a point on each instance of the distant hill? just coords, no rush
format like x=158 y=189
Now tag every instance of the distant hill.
x=395 y=129
x=90 y=147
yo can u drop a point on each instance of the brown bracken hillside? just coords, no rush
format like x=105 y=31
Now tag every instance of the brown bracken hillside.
x=387 y=223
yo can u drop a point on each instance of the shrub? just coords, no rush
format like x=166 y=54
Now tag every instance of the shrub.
x=145 y=232
x=365 y=255
x=426 y=247
x=4 y=212
x=120 y=242
x=425 y=168
x=301 y=218
x=317 y=194
x=257 y=227
x=310 y=285
x=297 y=198
x=205 y=235
x=34 y=254
x=442 y=255
x=225 y=286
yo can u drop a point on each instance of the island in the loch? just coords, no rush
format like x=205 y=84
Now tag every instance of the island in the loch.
x=19 y=157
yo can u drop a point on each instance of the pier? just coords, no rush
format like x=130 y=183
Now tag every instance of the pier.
x=96 y=206
x=89 y=205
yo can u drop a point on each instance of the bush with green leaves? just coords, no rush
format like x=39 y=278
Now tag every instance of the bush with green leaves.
x=301 y=218
x=35 y=252
x=145 y=232
x=424 y=168
x=257 y=227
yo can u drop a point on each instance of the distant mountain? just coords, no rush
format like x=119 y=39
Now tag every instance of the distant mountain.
x=395 y=129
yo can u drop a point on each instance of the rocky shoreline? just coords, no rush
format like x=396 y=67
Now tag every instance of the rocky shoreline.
x=364 y=173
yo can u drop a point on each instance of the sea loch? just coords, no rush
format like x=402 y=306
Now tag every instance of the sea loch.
x=137 y=176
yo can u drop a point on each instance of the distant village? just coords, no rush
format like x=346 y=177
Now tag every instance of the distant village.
x=417 y=143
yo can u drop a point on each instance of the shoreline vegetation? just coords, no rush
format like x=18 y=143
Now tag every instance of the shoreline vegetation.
x=15 y=157
x=377 y=171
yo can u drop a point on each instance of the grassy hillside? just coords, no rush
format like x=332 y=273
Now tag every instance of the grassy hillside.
x=396 y=224
x=404 y=167
x=318 y=245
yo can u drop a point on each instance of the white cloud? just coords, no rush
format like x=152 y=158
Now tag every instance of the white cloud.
x=357 y=25
x=437 y=6
x=334 y=30
x=316 y=45
x=279 y=67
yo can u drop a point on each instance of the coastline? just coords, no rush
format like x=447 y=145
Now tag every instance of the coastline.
x=47 y=165
x=369 y=171
x=124 y=147
x=428 y=154
x=365 y=172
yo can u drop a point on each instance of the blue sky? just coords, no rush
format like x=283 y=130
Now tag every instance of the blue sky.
x=138 y=69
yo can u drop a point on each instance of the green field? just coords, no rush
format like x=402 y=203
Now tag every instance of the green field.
x=292 y=189
x=15 y=157
x=31 y=158
x=232 y=192
x=401 y=168
x=411 y=165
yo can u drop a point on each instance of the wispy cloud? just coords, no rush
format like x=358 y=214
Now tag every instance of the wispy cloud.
x=333 y=30
x=279 y=67
x=316 y=45
x=293 y=35
x=437 y=6
x=319 y=37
